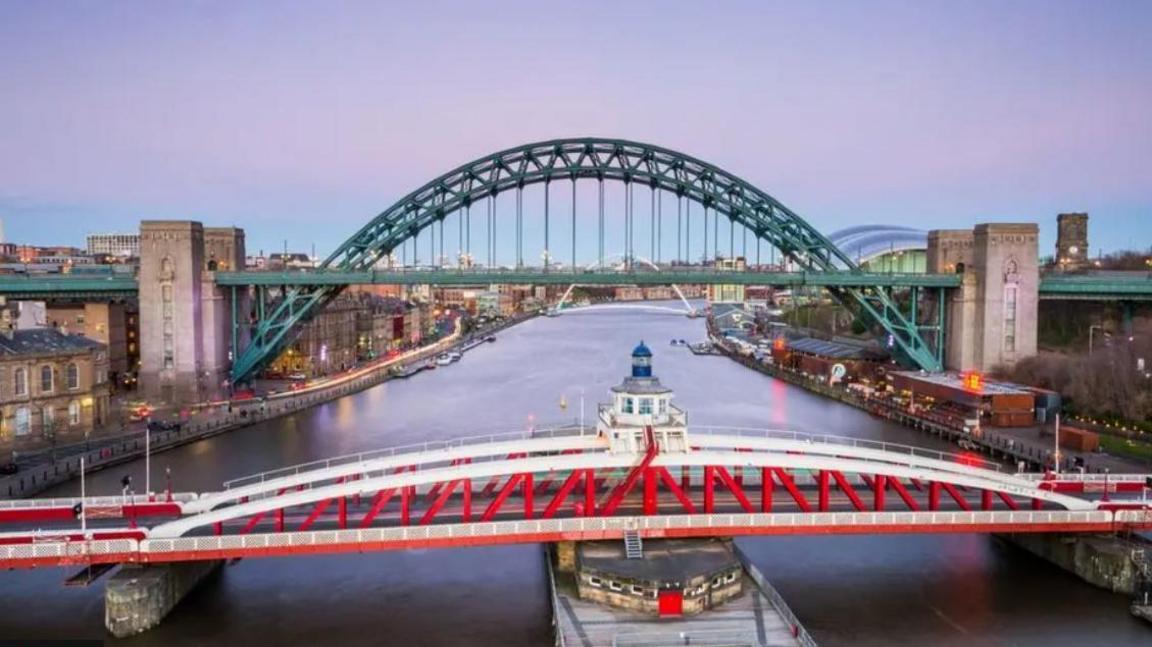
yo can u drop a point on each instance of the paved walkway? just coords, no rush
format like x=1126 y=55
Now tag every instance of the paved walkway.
x=748 y=620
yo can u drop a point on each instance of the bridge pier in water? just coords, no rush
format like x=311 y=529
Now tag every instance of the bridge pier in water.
x=138 y=597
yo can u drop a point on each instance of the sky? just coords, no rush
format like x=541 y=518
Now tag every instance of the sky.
x=300 y=121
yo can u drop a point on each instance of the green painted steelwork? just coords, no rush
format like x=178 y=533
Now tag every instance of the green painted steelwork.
x=573 y=159
x=66 y=286
x=1115 y=286
x=589 y=277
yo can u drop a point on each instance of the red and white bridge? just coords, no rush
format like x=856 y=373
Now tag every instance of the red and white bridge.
x=571 y=484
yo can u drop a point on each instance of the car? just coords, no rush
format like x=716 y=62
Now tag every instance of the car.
x=9 y=468
x=163 y=425
x=298 y=377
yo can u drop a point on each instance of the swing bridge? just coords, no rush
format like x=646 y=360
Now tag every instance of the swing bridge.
x=571 y=484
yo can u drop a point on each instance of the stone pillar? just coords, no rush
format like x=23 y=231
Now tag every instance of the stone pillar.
x=171 y=259
x=138 y=597
x=992 y=316
x=185 y=320
x=1071 y=241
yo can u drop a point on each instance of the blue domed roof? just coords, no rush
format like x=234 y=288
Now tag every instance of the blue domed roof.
x=641 y=351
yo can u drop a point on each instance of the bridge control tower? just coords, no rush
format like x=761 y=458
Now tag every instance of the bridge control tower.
x=641 y=403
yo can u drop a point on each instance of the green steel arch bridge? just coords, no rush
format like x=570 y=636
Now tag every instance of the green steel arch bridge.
x=421 y=215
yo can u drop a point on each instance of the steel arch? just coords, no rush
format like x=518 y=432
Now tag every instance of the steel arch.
x=583 y=158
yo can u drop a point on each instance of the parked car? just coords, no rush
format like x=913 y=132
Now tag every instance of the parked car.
x=163 y=425
x=9 y=468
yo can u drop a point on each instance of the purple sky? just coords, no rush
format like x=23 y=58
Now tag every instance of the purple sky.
x=303 y=120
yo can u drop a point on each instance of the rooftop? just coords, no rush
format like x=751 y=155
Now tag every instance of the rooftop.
x=665 y=560
x=956 y=381
x=43 y=341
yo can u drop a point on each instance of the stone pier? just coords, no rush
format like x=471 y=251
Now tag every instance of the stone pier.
x=138 y=597
x=1107 y=562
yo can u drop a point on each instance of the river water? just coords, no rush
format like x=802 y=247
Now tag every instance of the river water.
x=888 y=590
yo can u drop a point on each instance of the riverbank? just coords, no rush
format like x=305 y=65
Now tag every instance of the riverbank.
x=1003 y=444
x=221 y=417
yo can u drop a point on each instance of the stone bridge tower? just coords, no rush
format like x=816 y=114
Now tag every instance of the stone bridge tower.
x=991 y=318
x=185 y=320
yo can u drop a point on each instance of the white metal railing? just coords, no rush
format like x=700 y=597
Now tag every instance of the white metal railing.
x=413 y=448
x=845 y=441
x=609 y=527
x=66 y=502
x=1077 y=477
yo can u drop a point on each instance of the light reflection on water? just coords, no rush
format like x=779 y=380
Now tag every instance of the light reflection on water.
x=898 y=590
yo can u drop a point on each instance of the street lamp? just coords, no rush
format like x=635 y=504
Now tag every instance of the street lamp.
x=1092 y=329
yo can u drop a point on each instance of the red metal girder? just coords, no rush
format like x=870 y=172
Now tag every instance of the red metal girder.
x=790 y=485
x=899 y=488
x=590 y=493
x=879 y=485
x=985 y=499
x=868 y=480
x=960 y=501
x=709 y=486
x=1008 y=501
x=543 y=486
x=434 y=491
x=562 y=494
x=933 y=496
x=495 y=481
x=916 y=484
x=316 y=512
x=737 y=491
x=822 y=489
x=406 y=494
x=445 y=494
x=767 y=489
x=528 y=496
x=622 y=490
x=650 y=502
x=466 y=501
x=280 y=520
x=503 y=494
x=685 y=478
x=378 y=502
x=849 y=491
x=676 y=490
x=218 y=528
x=1037 y=504
x=342 y=512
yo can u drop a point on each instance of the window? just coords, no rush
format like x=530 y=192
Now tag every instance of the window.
x=595 y=581
x=615 y=586
x=628 y=405
x=645 y=406
x=20 y=381
x=1010 y=318
x=662 y=406
x=73 y=377
x=48 y=419
x=73 y=413
x=47 y=379
x=636 y=590
x=23 y=421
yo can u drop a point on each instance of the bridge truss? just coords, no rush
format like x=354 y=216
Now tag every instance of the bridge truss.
x=565 y=485
x=662 y=171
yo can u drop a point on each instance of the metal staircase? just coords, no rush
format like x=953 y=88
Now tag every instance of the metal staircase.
x=633 y=545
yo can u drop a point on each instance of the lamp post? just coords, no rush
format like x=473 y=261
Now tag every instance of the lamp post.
x=1091 y=329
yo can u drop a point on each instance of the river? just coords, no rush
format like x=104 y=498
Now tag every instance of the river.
x=888 y=590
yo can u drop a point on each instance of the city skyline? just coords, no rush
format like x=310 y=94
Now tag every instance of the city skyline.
x=932 y=118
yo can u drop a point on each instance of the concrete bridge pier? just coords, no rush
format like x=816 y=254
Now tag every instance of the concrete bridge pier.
x=1112 y=563
x=138 y=597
